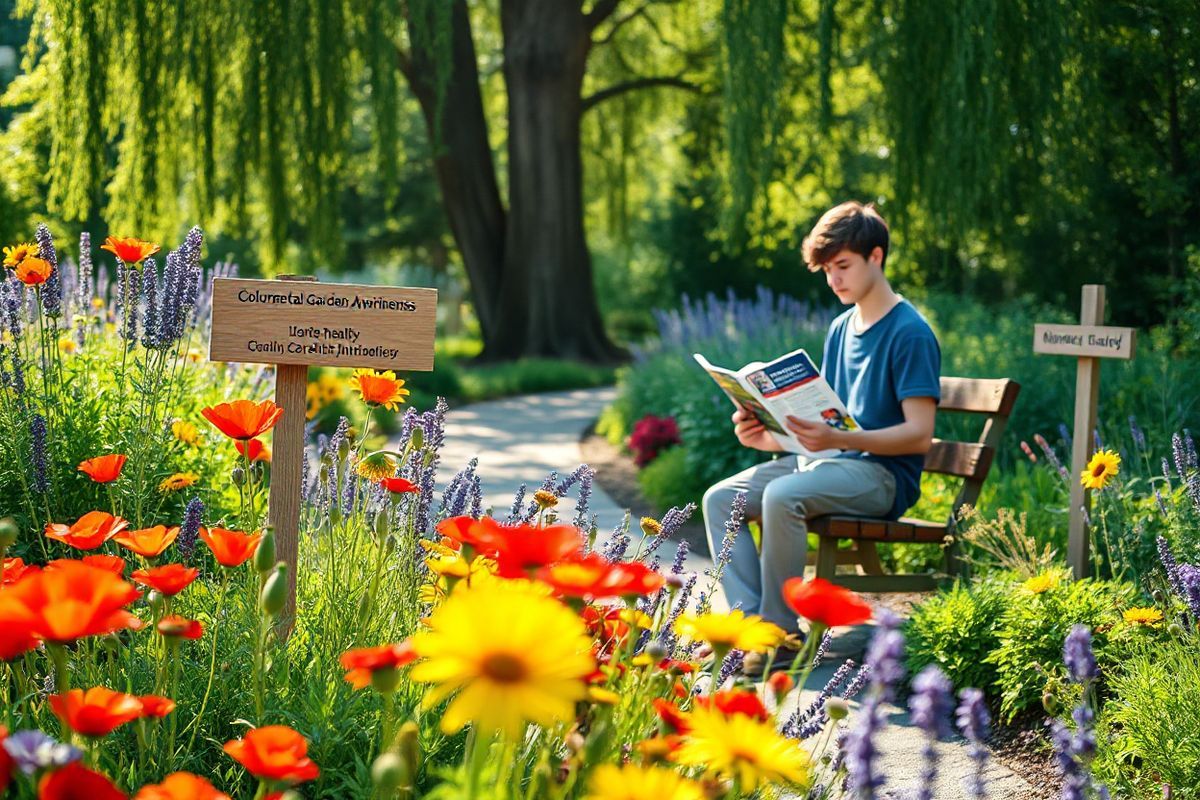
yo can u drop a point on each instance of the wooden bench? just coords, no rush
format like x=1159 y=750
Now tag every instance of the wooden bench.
x=991 y=398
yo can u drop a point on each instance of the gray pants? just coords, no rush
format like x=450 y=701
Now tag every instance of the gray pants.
x=782 y=494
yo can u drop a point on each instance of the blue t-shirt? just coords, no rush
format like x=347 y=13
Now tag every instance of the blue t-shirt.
x=896 y=358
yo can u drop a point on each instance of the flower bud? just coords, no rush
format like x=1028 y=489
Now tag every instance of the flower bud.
x=238 y=476
x=264 y=554
x=274 y=593
x=155 y=600
x=656 y=650
x=257 y=470
x=1176 y=630
x=343 y=449
x=1050 y=703
x=837 y=708
x=1160 y=597
x=388 y=773
x=408 y=745
x=382 y=526
x=417 y=438
x=8 y=533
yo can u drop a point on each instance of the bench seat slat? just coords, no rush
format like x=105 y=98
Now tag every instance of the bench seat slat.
x=905 y=529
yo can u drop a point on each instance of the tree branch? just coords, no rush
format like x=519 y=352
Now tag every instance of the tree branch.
x=620 y=22
x=638 y=83
x=601 y=10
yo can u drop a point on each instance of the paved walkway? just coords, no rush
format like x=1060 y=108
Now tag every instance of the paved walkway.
x=520 y=440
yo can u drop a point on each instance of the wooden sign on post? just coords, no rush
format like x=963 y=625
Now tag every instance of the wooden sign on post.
x=295 y=323
x=1089 y=342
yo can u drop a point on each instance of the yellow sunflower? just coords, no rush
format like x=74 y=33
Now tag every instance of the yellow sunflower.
x=631 y=782
x=14 y=255
x=740 y=747
x=1040 y=583
x=379 y=388
x=180 y=480
x=185 y=432
x=507 y=654
x=1104 y=465
x=732 y=630
x=1143 y=616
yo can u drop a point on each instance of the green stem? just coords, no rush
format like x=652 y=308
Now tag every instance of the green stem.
x=212 y=659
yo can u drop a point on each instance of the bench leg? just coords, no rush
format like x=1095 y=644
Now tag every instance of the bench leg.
x=827 y=552
x=868 y=556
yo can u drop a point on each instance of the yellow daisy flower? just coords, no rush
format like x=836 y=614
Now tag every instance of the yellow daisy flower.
x=195 y=355
x=631 y=782
x=379 y=388
x=732 y=630
x=14 y=255
x=180 y=480
x=449 y=566
x=508 y=655
x=185 y=432
x=1040 y=583
x=740 y=747
x=1104 y=465
x=376 y=467
x=98 y=303
x=67 y=345
x=1143 y=616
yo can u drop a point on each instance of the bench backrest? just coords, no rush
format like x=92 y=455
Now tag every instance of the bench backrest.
x=992 y=398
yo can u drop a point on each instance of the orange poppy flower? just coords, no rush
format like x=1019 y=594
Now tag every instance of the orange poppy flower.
x=113 y=564
x=89 y=531
x=593 y=576
x=33 y=271
x=674 y=718
x=156 y=706
x=14 y=569
x=230 y=548
x=399 y=485
x=181 y=786
x=75 y=781
x=95 y=712
x=518 y=547
x=256 y=450
x=148 y=542
x=735 y=701
x=103 y=469
x=822 y=602
x=465 y=530
x=243 y=419
x=379 y=388
x=129 y=249
x=16 y=630
x=365 y=661
x=74 y=600
x=179 y=626
x=168 y=580
x=274 y=753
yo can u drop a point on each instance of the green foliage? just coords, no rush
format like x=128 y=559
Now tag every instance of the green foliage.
x=1032 y=629
x=1150 y=727
x=666 y=481
x=957 y=630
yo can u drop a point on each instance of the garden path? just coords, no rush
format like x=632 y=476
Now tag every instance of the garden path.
x=521 y=439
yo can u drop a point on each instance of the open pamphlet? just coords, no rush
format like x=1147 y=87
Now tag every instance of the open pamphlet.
x=789 y=385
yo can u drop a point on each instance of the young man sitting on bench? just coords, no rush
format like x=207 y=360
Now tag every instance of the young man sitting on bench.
x=883 y=361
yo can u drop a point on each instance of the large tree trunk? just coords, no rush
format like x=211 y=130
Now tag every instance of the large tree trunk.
x=463 y=164
x=547 y=303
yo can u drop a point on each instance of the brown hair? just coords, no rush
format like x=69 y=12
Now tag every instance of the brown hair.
x=850 y=226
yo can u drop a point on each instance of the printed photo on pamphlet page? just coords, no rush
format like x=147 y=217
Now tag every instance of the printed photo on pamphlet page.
x=789 y=385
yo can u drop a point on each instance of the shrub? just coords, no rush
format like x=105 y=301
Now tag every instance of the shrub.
x=651 y=435
x=1033 y=626
x=957 y=630
x=666 y=481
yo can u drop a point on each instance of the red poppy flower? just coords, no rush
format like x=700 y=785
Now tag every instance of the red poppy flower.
x=181 y=786
x=113 y=564
x=173 y=625
x=15 y=569
x=6 y=762
x=780 y=683
x=400 y=486
x=672 y=716
x=275 y=753
x=593 y=576
x=680 y=667
x=365 y=661
x=604 y=623
x=74 y=600
x=77 y=782
x=95 y=712
x=156 y=706
x=129 y=249
x=16 y=629
x=519 y=547
x=89 y=531
x=33 y=271
x=735 y=701
x=256 y=449
x=230 y=548
x=464 y=530
x=148 y=542
x=243 y=419
x=822 y=602
x=168 y=580
x=103 y=469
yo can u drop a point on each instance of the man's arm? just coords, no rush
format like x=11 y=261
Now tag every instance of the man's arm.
x=911 y=437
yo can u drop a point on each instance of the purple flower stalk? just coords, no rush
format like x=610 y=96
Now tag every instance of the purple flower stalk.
x=37 y=448
x=809 y=722
x=670 y=524
x=150 y=333
x=52 y=289
x=681 y=553
x=973 y=721
x=931 y=703
x=883 y=658
x=1078 y=655
x=585 y=495
x=189 y=529
x=737 y=513
x=1139 y=437
x=514 y=513
x=822 y=648
x=731 y=665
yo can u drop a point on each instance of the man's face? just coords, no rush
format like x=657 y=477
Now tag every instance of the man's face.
x=851 y=276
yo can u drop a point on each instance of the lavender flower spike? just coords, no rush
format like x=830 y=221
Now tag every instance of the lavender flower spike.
x=37 y=447
x=930 y=704
x=190 y=529
x=973 y=721
x=1078 y=655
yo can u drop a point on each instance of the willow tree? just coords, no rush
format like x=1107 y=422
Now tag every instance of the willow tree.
x=246 y=108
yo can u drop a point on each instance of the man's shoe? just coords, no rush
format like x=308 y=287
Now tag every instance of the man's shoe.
x=756 y=666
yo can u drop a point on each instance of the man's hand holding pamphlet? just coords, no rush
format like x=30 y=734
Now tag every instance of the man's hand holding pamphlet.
x=790 y=385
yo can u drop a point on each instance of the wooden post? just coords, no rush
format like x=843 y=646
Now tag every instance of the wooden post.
x=1087 y=394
